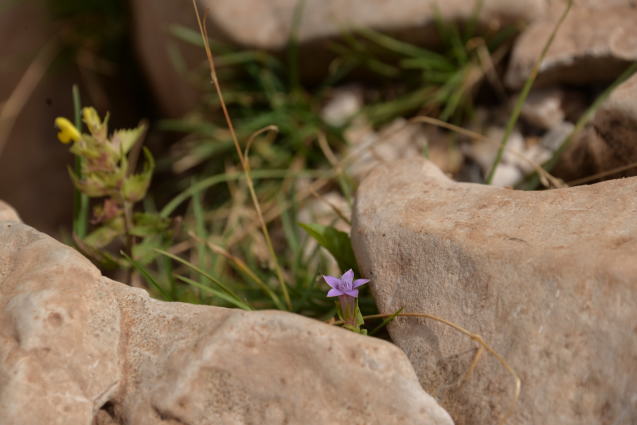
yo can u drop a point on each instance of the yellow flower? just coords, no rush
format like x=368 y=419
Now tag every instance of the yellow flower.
x=68 y=131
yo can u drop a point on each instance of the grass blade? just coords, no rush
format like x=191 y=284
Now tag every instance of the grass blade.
x=230 y=293
x=223 y=296
x=524 y=94
x=149 y=278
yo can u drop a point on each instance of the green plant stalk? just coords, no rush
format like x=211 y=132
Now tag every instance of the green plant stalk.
x=524 y=94
x=128 y=225
x=200 y=228
x=581 y=122
x=80 y=200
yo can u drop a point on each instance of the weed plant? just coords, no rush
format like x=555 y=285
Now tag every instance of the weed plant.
x=208 y=244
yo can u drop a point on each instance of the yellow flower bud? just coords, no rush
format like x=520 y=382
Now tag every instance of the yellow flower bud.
x=68 y=131
x=90 y=117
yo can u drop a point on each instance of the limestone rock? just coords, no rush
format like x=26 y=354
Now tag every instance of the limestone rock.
x=59 y=331
x=547 y=278
x=521 y=154
x=7 y=213
x=594 y=44
x=269 y=24
x=543 y=108
x=77 y=348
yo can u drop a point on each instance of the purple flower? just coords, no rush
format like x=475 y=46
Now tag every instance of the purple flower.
x=345 y=285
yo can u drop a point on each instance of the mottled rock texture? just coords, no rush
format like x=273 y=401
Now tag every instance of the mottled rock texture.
x=594 y=44
x=79 y=349
x=548 y=278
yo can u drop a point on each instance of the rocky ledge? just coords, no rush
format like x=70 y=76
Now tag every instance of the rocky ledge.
x=77 y=348
x=547 y=278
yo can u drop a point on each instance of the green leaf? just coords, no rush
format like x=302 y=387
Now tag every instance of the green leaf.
x=124 y=140
x=90 y=185
x=135 y=186
x=232 y=300
x=230 y=293
x=149 y=224
x=336 y=242
x=105 y=234
x=145 y=251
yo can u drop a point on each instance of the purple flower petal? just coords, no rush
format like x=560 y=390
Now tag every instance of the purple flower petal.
x=359 y=282
x=352 y=293
x=334 y=293
x=348 y=277
x=334 y=282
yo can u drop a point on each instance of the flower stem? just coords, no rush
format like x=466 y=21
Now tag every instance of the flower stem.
x=80 y=200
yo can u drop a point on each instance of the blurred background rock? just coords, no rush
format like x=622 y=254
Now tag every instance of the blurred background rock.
x=142 y=59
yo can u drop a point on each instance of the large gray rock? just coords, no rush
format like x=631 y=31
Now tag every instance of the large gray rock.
x=268 y=25
x=78 y=349
x=547 y=278
x=594 y=44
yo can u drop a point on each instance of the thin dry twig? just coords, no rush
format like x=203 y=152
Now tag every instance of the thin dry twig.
x=546 y=178
x=246 y=168
x=602 y=174
x=439 y=123
x=275 y=212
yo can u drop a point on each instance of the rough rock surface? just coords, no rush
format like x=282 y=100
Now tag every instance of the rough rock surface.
x=78 y=349
x=598 y=37
x=268 y=25
x=547 y=278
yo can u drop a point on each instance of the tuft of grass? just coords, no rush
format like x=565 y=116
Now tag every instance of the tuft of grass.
x=260 y=252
